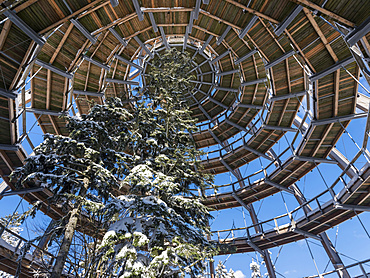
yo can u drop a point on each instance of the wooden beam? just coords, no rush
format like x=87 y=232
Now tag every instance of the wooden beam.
x=24 y=5
x=48 y=89
x=252 y=11
x=336 y=92
x=7 y=161
x=4 y=33
x=166 y=10
x=320 y=33
x=22 y=66
x=366 y=45
x=324 y=11
x=61 y=43
x=54 y=124
x=13 y=126
x=300 y=51
x=56 y=9
x=259 y=49
x=272 y=35
x=323 y=137
x=220 y=19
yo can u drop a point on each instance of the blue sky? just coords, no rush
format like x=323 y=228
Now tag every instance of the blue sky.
x=291 y=260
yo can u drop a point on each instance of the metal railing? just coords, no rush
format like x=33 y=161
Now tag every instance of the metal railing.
x=314 y=204
x=23 y=249
x=339 y=270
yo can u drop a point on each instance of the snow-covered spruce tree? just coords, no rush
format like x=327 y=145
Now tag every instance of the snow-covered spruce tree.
x=221 y=271
x=160 y=228
x=81 y=169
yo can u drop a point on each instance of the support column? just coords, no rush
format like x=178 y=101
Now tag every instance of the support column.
x=212 y=269
x=325 y=241
x=266 y=255
x=44 y=240
x=211 y=265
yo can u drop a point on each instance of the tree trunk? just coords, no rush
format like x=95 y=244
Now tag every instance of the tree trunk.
x=67 y=240
x=66 y=244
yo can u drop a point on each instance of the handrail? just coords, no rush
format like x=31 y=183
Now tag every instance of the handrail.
x=300 y=207
x=249 y=176
x=338 y=270
x=5 y=229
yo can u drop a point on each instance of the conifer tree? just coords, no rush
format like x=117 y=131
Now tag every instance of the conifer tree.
x=221 y=271
x=159 y=228
x=81 y=169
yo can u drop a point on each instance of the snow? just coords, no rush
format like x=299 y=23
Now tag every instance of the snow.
x=126 y=251
x=162 y=158
x=5 y=275
x=140 y=175
x=108 y=235
x=120 y=225
x=152 y=141
x=140 y=239
x=151 y=200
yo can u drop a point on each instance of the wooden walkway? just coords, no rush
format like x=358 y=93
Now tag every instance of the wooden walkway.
x=355 y=197
x=34 y=261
